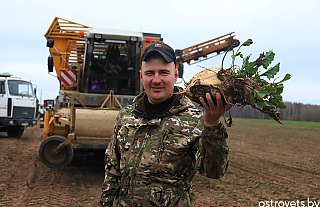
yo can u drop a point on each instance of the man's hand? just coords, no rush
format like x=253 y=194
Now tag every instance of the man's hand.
x=212 y=113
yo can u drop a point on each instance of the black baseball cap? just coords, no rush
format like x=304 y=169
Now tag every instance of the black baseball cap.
x=165 y=50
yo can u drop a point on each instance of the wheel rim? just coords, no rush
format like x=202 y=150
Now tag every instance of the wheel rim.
x=52 y=157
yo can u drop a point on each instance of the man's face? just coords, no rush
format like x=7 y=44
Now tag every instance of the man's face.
x=158 y=78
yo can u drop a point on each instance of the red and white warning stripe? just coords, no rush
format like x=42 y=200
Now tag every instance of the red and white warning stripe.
x=68 y=77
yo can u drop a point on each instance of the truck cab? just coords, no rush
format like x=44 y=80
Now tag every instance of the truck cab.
x=18 y=105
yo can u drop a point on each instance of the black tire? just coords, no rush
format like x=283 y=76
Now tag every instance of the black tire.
x=16 y=131
x=52 y=160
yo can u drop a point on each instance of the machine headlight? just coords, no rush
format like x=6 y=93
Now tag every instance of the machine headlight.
x=133 y=39
x=97 y=36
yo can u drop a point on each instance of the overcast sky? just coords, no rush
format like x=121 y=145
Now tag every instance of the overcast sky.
x=291 y=28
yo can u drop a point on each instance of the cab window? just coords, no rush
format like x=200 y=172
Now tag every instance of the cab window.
x=2 y=88
x=112 y=65
x=20 y=88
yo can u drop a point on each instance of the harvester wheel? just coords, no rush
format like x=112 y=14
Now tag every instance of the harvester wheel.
x=52 y=159
x=16 y=131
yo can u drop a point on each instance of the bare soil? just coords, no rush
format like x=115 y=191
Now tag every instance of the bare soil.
x=266 y=164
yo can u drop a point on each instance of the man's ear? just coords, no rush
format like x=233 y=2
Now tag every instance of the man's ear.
x=140 y=76
x=176 y=75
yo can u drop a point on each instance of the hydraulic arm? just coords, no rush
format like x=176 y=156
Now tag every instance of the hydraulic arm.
x=200 y=52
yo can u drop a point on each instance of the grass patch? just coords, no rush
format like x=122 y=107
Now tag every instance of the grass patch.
x=303 y=123
x=278 y=126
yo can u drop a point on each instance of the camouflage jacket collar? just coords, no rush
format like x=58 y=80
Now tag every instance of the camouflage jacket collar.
x=179 y=103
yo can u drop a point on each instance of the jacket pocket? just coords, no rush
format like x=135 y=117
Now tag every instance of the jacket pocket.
x=160 y=197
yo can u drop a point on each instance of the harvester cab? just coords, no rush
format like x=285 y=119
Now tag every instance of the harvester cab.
x=112 y=62
x=98 y=68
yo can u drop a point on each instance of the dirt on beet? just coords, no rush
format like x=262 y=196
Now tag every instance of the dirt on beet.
x=278 y=164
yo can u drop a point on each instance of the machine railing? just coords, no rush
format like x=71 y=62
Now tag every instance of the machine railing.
x=69 y=47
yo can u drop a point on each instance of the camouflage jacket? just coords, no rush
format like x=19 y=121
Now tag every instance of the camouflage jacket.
x=152 y=163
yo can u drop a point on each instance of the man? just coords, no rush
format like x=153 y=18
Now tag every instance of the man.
x=162 y=139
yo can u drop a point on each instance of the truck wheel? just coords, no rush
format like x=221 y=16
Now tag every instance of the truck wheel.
x=15 y=131
x=51 y=159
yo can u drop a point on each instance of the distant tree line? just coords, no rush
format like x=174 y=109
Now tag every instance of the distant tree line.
x=293 y=112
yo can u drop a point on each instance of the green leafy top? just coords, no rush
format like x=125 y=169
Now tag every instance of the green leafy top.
x=270 y=92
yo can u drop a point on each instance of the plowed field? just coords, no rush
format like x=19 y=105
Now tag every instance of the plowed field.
x=278 y=164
